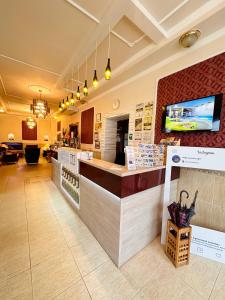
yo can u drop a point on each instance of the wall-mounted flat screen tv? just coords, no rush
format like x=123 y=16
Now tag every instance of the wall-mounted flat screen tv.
x=193 y=115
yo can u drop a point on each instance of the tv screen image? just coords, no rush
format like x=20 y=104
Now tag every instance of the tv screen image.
x=194 y=115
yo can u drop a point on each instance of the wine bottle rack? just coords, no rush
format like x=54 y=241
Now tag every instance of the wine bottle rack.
x=71 y=184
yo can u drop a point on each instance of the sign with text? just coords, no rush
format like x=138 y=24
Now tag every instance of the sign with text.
x=208 y=243
x=196 y=157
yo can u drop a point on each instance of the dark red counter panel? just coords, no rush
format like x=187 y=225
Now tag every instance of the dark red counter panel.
x=127 y=185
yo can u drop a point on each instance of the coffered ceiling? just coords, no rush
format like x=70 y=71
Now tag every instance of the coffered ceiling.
x=44 y=42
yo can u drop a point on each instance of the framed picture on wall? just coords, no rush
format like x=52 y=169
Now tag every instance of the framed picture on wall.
x=58 y=126
x=98 y=117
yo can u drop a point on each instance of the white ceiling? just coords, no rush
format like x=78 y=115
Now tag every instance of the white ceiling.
x=44 y=41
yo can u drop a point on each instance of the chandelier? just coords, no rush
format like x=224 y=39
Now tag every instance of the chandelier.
x=40 y=108
x=31 y=123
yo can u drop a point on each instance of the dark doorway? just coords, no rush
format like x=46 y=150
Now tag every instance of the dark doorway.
x=73 y=135
x=74 y=129
x=121 y=141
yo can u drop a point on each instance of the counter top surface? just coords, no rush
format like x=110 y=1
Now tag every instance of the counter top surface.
x=117 y=169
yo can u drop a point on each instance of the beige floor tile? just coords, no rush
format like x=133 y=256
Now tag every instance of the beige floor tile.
x=167 y=289
x=14 y=260
x=75 y=235
x=140 y=269
x=17 y=288
x=89 y=255
x=77 y=292
x=13 y=237
x=218 y=292
x=200 y=274
x=53 y=276
x=45 y=248
x=107 y=282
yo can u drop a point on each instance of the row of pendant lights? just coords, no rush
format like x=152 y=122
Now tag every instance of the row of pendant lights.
x=107 y=75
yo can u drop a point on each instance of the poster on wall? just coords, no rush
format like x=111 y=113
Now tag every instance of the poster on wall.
x=138 y=136
x=97 y=140
x=148 y=109
x=139 y=110
x=138 y=124
x=130 y=136
x=148 y=112
x=147 y=124
x=146 y=137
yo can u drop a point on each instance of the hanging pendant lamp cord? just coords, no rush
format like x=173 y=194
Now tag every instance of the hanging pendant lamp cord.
x=109 y=43
x=86 y=69
x=96 y=46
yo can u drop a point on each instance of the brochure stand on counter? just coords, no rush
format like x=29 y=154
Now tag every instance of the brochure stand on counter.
x=205 y=242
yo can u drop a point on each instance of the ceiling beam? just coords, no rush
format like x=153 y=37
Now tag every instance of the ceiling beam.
x=29 y=65
x=3 y=86
x=84 y=11
x=204 y=12
x=172 y=12
x=145 y=21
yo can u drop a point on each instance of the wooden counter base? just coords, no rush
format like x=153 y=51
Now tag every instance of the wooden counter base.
x=128 y=185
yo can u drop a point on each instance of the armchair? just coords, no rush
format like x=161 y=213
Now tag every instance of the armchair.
x=32 y=155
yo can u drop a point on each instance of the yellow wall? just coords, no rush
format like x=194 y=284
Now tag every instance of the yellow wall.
x=13 y=124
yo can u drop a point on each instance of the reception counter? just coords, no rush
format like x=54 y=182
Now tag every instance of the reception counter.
x=121 y=208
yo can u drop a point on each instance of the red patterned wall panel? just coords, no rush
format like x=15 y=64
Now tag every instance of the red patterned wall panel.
x=200 y=80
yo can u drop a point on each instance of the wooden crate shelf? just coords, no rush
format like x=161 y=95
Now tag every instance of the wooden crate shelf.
x=178 y=242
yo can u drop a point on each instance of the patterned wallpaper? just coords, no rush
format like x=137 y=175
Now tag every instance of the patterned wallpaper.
x=203 y=79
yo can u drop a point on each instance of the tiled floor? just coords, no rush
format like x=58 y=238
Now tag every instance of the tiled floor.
x=46 y=252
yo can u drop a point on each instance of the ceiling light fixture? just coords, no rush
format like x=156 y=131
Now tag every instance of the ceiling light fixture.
x=189 y=38
x=60 y=107
x=40 y=107
x=85 y=88
x=2 y=110
x=67 y=101
x=31 y=123
x=95 y=78
x=108 y=72
x=72 y=100
x=63 y=104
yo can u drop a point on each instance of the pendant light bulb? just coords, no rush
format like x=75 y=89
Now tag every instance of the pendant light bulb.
x=108 y=72
x=67 y=101
x=60 y=107
x=95 y=80
x=72 y=101
x=78 y=93
x=85 y=88
x=63 y=104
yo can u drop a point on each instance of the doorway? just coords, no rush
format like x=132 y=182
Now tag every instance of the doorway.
x=115 y=138
x=121 y=141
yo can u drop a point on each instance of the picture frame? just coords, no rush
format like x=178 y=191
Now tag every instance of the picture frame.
x=98 y=117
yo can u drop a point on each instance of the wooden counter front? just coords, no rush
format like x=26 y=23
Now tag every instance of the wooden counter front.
x=127 y=185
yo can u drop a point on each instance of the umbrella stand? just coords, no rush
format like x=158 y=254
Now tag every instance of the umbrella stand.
x=178 y=243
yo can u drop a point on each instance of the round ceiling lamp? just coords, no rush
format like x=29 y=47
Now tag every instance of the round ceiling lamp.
x=189 y=38
x=39 y=89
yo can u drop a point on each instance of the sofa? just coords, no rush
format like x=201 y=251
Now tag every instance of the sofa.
x=15 y=148
x=14 y=145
